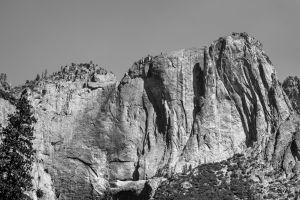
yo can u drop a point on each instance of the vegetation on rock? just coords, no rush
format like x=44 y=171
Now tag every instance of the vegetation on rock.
x=75 y=72
x=3 y=82
x=239 y=177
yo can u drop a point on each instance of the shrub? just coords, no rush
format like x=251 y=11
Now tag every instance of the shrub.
x=39 y=193
x=210 y=182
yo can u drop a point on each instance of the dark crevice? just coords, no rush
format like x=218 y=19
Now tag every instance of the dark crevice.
x=198 y=86
x=133 y=195
x=146 y=126
x=219 y=62
x=199 y=92
x=263 y=76
x=126 y=195
x=185 y=116
x=94 y=88
x=148 y=142
x=150 y=85
x=251 y=118
x=198 y=140
x=149 y=74
x=295 y=150
x=136 y=174
x=253 y=113
x=168 y=135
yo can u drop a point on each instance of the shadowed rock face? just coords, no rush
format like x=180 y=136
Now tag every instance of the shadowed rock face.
x=169 y=112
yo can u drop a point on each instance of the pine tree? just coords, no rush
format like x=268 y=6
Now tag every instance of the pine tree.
x=3 y=77
x=3 y=82
x=16 y=152
x=38 y=77
x=45 y=73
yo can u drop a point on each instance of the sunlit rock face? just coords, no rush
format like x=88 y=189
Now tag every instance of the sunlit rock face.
x=169 y=112
x=71 y=159
x=199 y=105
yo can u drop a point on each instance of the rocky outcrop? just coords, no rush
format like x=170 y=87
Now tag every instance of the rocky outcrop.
x=196 y=106
x=291 y=86
x=70 y=159
x=169 y=113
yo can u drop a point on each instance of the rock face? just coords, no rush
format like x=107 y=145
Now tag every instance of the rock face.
x=197 y=106
x=291 y=86
x=169 y=112
x=70 y=157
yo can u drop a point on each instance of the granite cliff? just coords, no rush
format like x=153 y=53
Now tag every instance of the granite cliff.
x=97 y=137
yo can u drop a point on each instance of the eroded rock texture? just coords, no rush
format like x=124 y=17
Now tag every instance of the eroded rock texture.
x=291 y=86
x=169 y=112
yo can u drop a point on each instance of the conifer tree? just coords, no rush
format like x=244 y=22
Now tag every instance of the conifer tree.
x=38 y=77
x=45 y=73
x=16 y=152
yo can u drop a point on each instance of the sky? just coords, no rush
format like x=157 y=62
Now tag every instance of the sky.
x=36 y=35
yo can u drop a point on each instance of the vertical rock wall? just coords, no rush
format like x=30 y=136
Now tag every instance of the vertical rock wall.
x=169 y=112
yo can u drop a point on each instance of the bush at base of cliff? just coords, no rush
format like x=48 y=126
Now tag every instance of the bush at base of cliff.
x=16 y=152
x=238 y=178
x=210 y=181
